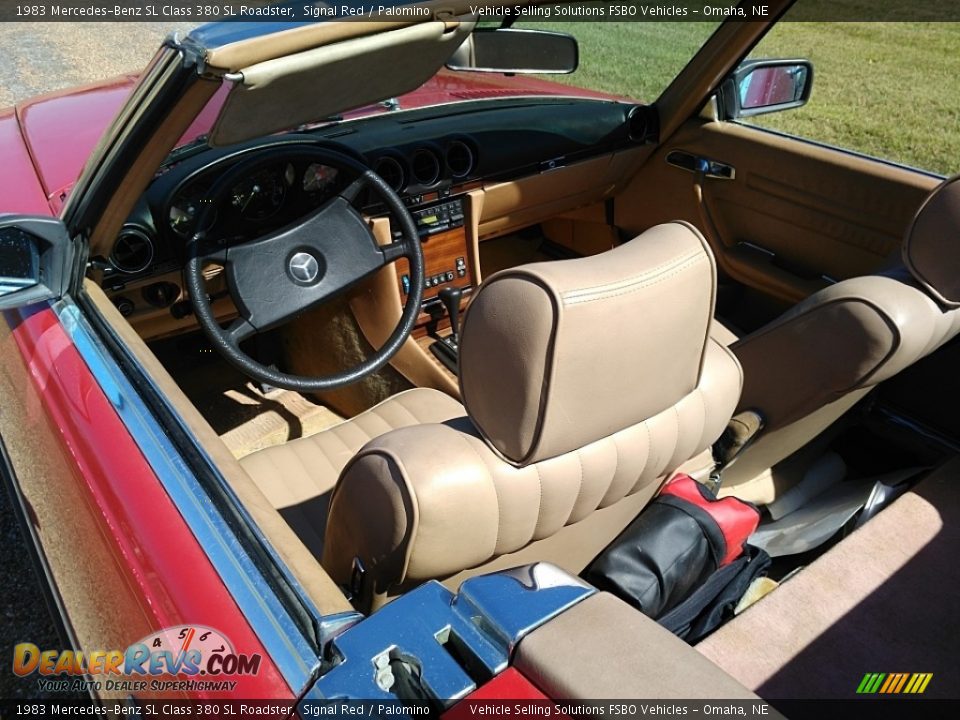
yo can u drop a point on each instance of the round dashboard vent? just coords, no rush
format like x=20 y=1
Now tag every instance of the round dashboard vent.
x=460 y=159
x=638 y=123
x=425 y=166
x=391 y=171
x=133 y=250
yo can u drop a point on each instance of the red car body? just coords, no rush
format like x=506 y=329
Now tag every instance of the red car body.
x=149 y=571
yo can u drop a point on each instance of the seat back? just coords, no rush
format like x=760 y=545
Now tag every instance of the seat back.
x=586 y=382
x=808 y=367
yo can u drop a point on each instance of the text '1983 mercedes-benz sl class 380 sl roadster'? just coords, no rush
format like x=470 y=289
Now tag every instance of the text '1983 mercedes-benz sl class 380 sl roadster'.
x=411 y=364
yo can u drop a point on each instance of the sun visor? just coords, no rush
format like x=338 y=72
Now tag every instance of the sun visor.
x=308 y=86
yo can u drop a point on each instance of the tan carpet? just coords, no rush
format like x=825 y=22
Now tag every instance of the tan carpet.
x=884 y=600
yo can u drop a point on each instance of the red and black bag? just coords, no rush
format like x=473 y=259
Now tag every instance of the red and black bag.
x=684 y=561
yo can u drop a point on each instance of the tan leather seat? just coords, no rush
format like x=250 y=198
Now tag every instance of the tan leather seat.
x=297 y=477
x=586 y=383
x=811 y=365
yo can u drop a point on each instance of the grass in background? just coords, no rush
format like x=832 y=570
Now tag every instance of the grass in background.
x=889 y=90
x=634 y=59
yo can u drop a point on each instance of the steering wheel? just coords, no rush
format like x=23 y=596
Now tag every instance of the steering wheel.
x=278 y=276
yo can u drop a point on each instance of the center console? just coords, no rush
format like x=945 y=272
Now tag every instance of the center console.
x=449 y=274
x=446 y=254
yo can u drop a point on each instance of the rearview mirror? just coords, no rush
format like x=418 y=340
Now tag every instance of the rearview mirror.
x=35 y=260
x=513 y=51
x=764 y=86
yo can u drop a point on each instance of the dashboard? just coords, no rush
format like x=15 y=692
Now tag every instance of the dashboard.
x=429 y=156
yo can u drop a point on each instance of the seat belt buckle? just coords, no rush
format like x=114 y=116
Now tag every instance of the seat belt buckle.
x=741 y=431
x=357 y=575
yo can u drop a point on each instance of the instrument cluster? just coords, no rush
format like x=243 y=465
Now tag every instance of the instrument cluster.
x=268 y=196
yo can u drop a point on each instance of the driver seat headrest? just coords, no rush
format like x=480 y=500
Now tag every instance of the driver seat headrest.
x=557 y=355
x=931 y=248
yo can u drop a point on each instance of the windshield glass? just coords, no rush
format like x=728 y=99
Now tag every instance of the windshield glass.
x=635 y=60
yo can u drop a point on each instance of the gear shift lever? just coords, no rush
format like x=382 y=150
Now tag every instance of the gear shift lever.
x=447 y=348
x=450 y=297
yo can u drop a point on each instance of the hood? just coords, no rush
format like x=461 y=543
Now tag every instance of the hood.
x=60 y=131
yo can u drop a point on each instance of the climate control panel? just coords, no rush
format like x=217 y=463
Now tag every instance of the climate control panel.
x=459 y=270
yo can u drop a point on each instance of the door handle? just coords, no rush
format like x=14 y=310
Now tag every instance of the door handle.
x=713 y=169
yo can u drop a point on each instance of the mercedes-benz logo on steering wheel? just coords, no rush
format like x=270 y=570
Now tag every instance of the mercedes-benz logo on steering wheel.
x=303 y=268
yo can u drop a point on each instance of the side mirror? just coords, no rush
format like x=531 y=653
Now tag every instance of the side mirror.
x=513 y=51
x=765 y=86
x=36 y=258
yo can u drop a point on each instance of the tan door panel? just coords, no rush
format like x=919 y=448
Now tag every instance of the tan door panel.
x=512 y=205
x=820 y=211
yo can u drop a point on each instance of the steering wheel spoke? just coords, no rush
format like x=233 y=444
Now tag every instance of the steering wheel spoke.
x=201 y=248
x=394 y=251
x=239 y=330
x=352 y=191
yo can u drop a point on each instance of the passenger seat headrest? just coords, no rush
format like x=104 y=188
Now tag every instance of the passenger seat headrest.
x=931 y=249
x=554 y=356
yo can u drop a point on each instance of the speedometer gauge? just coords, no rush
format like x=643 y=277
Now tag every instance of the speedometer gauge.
x=319 y=178
x=260 y=195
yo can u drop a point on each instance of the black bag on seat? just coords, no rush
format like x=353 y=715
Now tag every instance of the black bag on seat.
x=713 y=603
x=684 y=560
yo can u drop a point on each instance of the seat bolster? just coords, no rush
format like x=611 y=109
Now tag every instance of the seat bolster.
x=429 y=500
x=930 y=248
x=849 y=336
x=720 y=387
x=417 y=502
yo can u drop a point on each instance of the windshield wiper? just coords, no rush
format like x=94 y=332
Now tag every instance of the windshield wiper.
x=194 y=147
x=390 y=104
